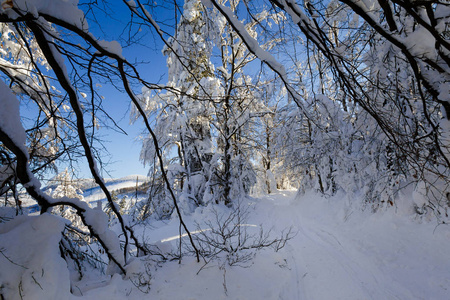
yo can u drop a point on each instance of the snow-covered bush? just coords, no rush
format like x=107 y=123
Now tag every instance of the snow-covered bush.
x=226 y=238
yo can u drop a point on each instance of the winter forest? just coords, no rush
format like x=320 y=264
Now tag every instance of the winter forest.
x=293 y=149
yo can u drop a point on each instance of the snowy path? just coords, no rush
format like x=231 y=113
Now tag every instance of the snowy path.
x=324 y=268
x=334 y=271
x=334 y=260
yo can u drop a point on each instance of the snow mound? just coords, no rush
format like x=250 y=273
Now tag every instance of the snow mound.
x=31 y=265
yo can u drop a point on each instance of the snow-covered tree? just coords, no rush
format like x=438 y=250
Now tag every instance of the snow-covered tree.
x=181 y=117
x=385 y=65
x=209 y=110
x=51 y=60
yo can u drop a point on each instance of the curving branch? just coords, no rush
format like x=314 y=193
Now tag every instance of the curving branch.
x=158 y=153
x=51 y=52
x=63 y=79
x=32 y=187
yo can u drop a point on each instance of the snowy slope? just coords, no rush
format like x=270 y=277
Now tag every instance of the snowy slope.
x=93 y=192
x=339 y=252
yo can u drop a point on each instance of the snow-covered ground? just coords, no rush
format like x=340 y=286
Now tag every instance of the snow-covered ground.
x=338 y=252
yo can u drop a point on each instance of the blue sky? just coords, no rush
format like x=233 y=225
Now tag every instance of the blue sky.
x=125 y=149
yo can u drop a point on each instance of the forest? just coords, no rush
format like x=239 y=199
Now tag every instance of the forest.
x=271 y=120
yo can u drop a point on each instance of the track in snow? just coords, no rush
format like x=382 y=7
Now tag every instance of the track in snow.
x=331 y=262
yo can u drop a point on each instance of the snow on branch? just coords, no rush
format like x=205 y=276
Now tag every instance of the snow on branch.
x=10 y=118
x=12 y=135
x=254 y=47
x=66 y=10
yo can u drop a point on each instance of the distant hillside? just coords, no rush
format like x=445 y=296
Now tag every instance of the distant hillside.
x=118 y=185
x=133 y=184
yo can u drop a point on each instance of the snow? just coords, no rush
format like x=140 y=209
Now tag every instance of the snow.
x=251 y=43
x=31 y=266
x=132 y=4
x=66 y=10
x=207 y=3
x=10 y=117
x=112 y=47
x=339 y=252
x=340 y=249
